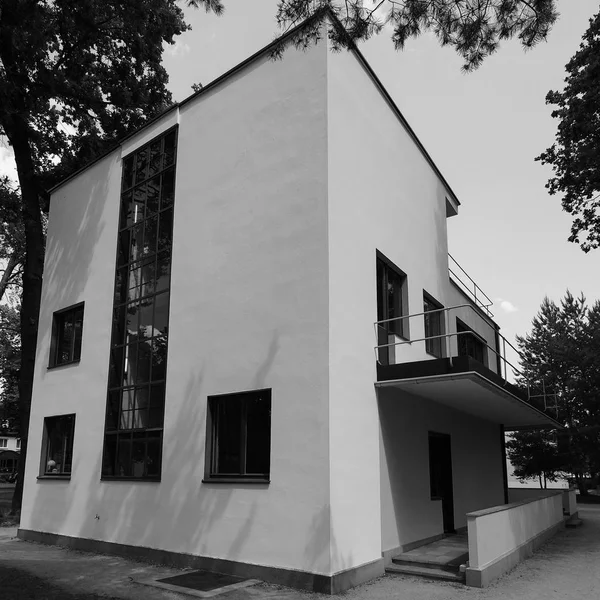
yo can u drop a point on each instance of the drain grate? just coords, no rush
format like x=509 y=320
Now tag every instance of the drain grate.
x=203 y=581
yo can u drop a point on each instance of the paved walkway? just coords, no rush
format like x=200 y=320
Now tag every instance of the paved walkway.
x=567 y=568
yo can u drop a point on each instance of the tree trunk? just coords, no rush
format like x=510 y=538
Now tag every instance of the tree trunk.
x=540 y=480
x=10 y=267
x=18 y=136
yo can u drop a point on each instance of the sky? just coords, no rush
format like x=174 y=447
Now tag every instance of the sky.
x=482 y=129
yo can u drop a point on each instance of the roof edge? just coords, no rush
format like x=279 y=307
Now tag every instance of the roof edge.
x=240 y=66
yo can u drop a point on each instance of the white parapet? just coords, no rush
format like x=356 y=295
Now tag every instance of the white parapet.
x=502 y=536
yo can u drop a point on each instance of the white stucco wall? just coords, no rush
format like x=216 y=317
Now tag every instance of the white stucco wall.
x=249 y=309
x=11 y=443
x=408 y=513
x=383 y=195
x=494 y=536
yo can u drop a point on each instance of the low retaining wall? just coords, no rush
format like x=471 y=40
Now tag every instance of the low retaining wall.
x=501 y=537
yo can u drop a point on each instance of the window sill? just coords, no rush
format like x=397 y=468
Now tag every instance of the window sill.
x=66 y=364
x=54 y=478
x=436 y=498
x=243 y=480
x=132 y=479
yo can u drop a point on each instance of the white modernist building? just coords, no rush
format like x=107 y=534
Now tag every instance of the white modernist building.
x=211 y=387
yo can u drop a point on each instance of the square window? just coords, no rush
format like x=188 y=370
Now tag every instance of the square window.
x=57 y=446
x=239 y=436
x=67 y=332
x=3 y=443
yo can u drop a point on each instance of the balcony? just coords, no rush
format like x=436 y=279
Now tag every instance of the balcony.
x=458 y=357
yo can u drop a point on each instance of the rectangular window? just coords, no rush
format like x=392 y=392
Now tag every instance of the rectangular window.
x=3 y=443
x=140 y=328
x=18 y=444
x=238 y=440
x=67 y=333
x=57 y=447
x=392 y=297
x=434 y=326
x=470 y=344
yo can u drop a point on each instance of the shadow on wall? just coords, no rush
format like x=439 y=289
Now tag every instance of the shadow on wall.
x=185 y=514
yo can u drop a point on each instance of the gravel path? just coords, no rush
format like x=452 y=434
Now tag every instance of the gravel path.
x=567 y=568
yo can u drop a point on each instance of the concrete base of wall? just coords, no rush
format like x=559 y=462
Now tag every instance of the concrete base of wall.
x=304 y=580
x=483 y=577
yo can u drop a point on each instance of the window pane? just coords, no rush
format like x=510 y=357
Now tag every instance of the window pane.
x=127 y=172
x=137 y=207
x=169 y=149
x=165 y=228
x=123 y=247
x=155 y=158
x=153 y=193
x=141 y=166
x=130 y=365
x=159 y=357
x=228 y=436
x=110 y=456
x=161 y=313
x=132 y=322
x=163 y=271
x=140 y=420
x=167 y=188
x=78 y=334
x=138 y=455
x=112 y=411
x=150 y=231
x=144 y=360
x=126 y=216
x=127 y=398
x=136 y=242
x=146 y=316
x=153 y=455
x=126 y=421
x=155 y=417
x=258 y=436
x=65 y=339
x=124 y=457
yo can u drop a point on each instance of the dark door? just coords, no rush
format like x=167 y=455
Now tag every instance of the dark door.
x=440 y=474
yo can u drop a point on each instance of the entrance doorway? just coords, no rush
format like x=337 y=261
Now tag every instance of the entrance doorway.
x=440 y=476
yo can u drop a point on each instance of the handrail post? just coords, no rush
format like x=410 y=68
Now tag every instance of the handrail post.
x=448 y=341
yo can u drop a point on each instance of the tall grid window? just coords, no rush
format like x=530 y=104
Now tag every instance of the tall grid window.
x=140 y=331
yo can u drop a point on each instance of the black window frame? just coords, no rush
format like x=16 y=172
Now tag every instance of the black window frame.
x=136 y=391
x=386 y=268
x=469 y=342
x=59 y=319
x=67 y=447
x=211 y=471
x=434 y=324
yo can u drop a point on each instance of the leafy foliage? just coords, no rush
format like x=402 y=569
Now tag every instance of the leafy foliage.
x=10 y=350
x=561 y=351
x=75 y=75
x=574 y=154
x=534 y=454
x=473 y=28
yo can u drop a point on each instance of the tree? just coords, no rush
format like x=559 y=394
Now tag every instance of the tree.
x=574 y=154
x=559 y=357
x=12 y=239
x=10 y=347
x=76 y=75
x=472 y=27
x=534 y=455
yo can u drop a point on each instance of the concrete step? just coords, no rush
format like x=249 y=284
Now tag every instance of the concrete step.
x=428 y=572
x=440 y=562
x=425 y=564
x=574 y=522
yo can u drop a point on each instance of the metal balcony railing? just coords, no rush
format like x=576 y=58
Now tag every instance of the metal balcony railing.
x=481 y=299
x=507 y=370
